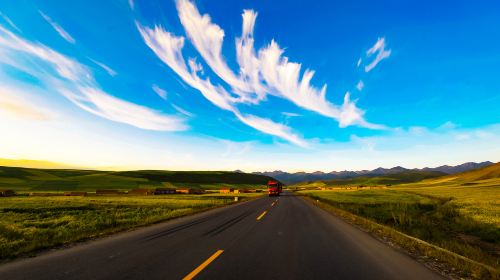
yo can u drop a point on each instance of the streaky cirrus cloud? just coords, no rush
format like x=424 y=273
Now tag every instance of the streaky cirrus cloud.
x=263 y=72
x=99 y=103
x=360 y=85
x=168 y=48
x=378 y=49
x=183 y=111
x=350 y=114
x=106 y=68
x=65 y=35
x=272 y=128
x=10 y=22
x=159 y=91
x=290 y=114
x=207 y=38
x=76 y=82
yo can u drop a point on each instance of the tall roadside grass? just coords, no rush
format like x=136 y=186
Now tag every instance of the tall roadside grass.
x=29 y=224
x=432 y=225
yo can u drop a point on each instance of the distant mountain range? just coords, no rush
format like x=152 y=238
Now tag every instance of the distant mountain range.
x=298 y=177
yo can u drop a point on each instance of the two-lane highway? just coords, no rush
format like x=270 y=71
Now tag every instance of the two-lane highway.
x=266 y=238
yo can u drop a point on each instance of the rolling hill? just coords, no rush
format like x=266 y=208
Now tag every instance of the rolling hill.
x=31 y=179
x=488 y=176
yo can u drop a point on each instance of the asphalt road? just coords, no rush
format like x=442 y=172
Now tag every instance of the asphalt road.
x=291 y=240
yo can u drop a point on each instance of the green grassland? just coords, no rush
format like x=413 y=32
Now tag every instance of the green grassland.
x=29 y=224
x=458 y=212
x=31 y=179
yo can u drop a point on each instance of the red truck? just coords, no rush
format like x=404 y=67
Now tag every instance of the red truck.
x=274 y=188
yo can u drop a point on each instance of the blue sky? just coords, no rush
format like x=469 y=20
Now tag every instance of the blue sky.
x=251 y=85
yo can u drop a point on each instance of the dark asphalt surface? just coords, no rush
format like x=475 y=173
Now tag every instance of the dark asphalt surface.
x=293 y=240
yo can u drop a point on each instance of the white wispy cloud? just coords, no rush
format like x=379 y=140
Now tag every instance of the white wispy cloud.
x=104 y=105
x=131 y=4
x=246 y=57
x=10 y=22
x=289 y=114
x=359 y=62
x=76 y=82
x=261 y=72
x=65 y=35
x=106 y=68
x=65 y=67
x=272 y=128
x=380 y=51
x=182 y=111
x=360 y=85
x=207 y=38
x=168 y=48
x=161 y=92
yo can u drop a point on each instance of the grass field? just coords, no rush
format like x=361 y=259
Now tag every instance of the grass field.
x=460 y=213
x=29 y=224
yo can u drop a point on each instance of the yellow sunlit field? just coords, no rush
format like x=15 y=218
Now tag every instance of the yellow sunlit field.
x=461 y=217
x=31 y=223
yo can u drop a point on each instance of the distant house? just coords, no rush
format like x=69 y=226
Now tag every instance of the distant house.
x=241 y=191
x=45 y=194
x=107 y=192
x=75 y=193
x=226 y=190
x=160 y=191
x=140 y=192
x=190 y=191
x=6 y=193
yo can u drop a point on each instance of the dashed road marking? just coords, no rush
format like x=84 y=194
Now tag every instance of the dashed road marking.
x=261 y=215
x=203 y=265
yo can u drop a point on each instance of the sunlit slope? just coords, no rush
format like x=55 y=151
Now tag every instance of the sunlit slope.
x=489 y=175
x=28 y=163
x=18 y=178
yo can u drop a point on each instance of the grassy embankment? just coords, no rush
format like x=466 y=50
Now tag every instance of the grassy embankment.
x=460 y=213
x=29 y=224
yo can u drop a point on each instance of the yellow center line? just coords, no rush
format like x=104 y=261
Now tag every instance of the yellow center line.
x=203 y=265
x=261 y=215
